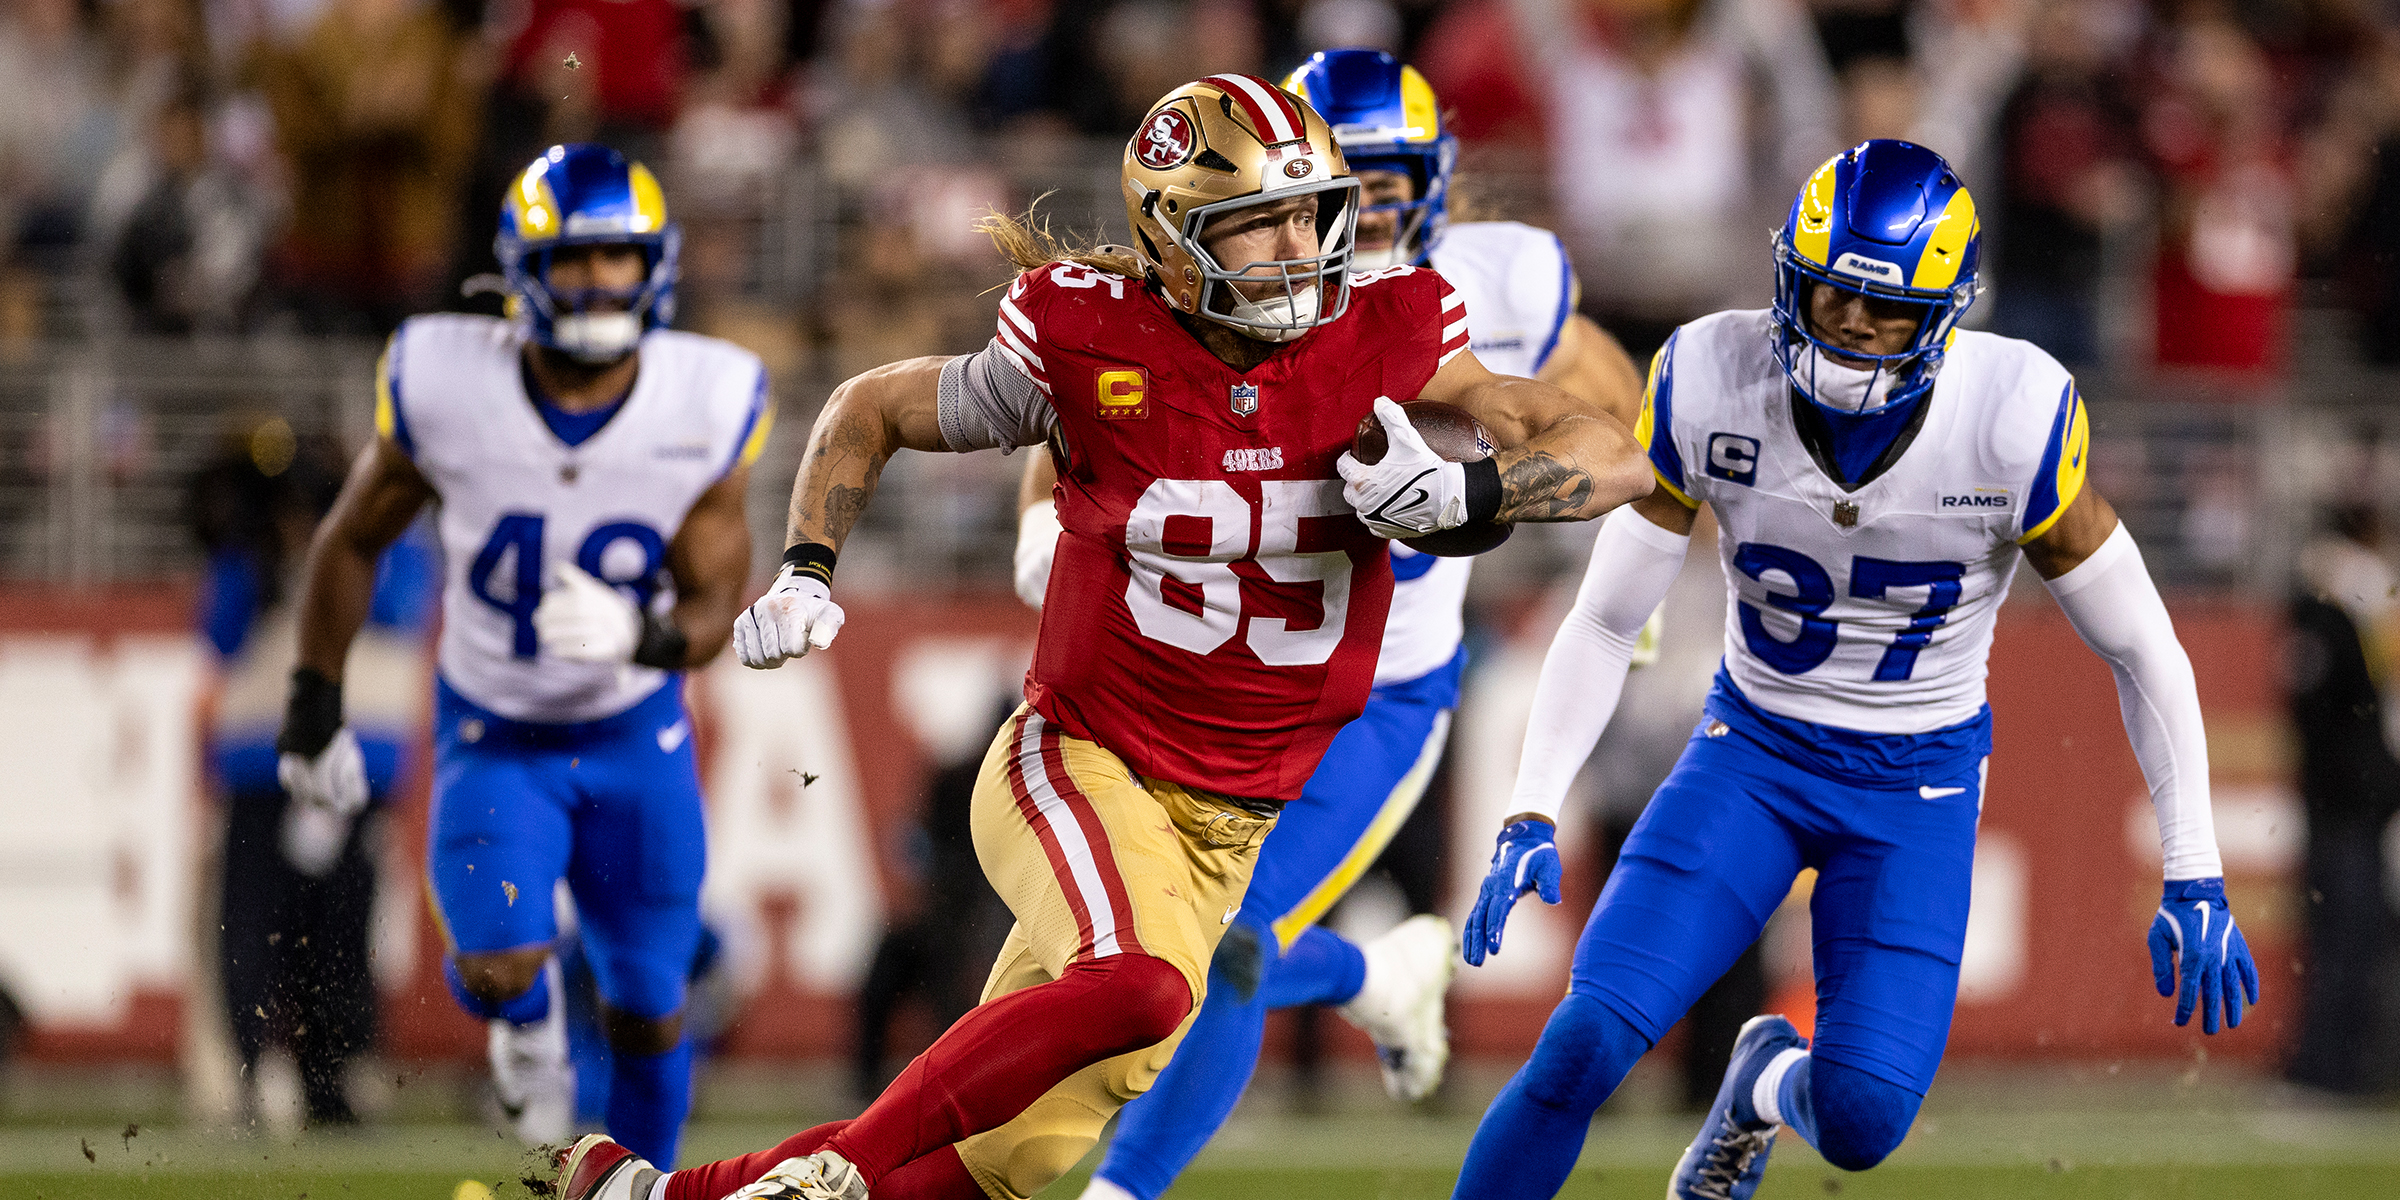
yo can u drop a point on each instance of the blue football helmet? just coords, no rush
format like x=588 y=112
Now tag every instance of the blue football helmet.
x=1385 y=118
x=584 y=195
x=1887 y=219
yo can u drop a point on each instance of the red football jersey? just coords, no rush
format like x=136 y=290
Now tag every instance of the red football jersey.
x=1215 y=608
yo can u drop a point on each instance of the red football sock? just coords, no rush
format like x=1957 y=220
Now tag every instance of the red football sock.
x=1001 y=1057
x=717 y=1180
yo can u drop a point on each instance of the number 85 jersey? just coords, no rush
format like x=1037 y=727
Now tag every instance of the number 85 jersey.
x=516 y=500
x=1867 y=608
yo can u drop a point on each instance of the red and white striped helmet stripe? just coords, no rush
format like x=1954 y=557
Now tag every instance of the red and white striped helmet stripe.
x=1271 y=112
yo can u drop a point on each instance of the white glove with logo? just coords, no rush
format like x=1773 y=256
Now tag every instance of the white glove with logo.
x=795 y=614
x=1412 y=491
x=584 y=620
x=1037 y=544
x=327 y=794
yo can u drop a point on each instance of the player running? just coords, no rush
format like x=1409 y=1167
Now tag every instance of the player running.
x=1521 y=320
x=1218 y=607
x=1875 y=472
x=589 y=465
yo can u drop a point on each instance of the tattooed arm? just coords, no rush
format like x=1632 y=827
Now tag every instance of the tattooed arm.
x=868 y=417
x=1562 y=457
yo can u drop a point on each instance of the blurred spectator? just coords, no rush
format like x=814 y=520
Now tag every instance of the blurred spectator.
x=58 y=128
x=294 y=918
x=180 y=233
x=1934 y=72
x=2342 y=630
x=376 y=124
x=2351 y=199
x=618 y=69
x=1666 y=159
x=2068 y=176
x=874 y=105
x=2227 y=250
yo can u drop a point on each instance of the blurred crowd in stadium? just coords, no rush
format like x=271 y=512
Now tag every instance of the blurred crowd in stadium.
x=330 y=165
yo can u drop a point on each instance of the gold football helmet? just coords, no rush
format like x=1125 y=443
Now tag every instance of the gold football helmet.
x=1225 y=143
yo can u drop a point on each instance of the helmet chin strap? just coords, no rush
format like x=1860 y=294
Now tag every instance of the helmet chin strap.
x=596 y=338
x=1297 y=310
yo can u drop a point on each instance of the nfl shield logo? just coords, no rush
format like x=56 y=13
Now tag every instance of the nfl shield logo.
x=1245 y=399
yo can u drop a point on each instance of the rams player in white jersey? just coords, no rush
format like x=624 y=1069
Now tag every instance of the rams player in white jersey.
x=1876 y=474
x=1520 y=296
x=589 y=465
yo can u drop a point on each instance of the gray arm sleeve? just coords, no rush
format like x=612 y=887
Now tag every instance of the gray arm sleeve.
x=986 y=402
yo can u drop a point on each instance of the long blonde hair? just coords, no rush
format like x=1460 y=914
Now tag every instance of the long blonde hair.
x=1028 y=242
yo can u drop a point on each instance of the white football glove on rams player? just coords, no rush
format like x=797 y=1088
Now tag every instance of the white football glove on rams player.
x=1412 y=491
x=796 y=614
x=322 y=771
x=583 y=619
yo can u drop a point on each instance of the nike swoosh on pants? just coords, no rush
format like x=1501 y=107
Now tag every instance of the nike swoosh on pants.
x=1934 y=793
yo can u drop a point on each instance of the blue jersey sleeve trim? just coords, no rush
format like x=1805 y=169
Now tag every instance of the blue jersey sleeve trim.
x=1660 y=418
x=2042 y=502
x=1566 y=302
x=741 y=444
x=391 y=416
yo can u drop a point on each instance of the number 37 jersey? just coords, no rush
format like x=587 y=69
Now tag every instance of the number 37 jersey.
x=516 y=500
x=1869 y=609
x=1215 y=607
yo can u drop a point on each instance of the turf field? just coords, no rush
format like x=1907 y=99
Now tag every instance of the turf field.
x=2020 y=1136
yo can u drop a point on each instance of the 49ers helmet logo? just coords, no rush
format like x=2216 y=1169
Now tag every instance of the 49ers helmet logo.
x=1166 y=141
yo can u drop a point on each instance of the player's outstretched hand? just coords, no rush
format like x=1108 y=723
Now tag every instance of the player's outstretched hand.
x=2194 y=937
x=1411 y=491
x=584 y=620
x=796 y=614
x=1525 y=861
x=327 y=792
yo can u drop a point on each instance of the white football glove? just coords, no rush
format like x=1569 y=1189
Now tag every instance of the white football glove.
x=796 y=614
x=1412 y=491
x=327 y=794
x=584 y=620
x=1037 y=543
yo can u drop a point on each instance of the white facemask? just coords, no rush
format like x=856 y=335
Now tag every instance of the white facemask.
x=597 y=337
x=1296 y=311
x=1837 y=386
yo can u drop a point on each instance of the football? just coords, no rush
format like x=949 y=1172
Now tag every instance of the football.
x=1457 y=436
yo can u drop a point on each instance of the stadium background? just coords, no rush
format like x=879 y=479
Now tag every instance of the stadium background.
x=213 y=210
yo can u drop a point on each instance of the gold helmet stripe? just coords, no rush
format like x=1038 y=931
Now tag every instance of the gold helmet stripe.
x=1271 y=112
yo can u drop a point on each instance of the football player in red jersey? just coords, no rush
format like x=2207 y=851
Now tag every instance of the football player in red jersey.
x=1220 y=598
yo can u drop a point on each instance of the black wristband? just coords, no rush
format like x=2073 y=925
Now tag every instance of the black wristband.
x=1483 y=489
x=811 y=558
x=663 y=644
x=312 y=715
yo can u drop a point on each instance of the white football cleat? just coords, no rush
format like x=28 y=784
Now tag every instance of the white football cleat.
x=1400 y=1005
x=597 y=1168
x=824 y=1175
x=531 y=1074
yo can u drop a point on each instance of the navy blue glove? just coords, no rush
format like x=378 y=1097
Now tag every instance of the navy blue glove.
x=2194 y=933
x=1526 y=861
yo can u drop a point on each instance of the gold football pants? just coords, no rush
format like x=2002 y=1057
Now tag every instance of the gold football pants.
x=1094 y=861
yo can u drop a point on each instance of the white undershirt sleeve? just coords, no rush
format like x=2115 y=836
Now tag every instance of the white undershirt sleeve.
x=2115 y=607
x=1633 y=564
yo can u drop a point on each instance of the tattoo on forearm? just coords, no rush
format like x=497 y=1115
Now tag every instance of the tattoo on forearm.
x=1544 y=487
x=835 y=482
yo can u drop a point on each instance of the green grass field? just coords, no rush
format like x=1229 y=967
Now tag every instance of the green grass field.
x=2020 y=1135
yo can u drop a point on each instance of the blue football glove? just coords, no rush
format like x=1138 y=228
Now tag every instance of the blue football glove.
x=1526 y=861
x=2194 y=933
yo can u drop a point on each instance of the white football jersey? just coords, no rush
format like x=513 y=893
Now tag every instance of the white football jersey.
x=515 y=500
x=1519 y=290
x=1869 y=609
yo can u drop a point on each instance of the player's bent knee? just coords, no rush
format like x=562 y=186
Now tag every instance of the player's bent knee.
x=499 y=976
x=1860 y=1119
x=1150 y=998
x=642 y=1036
x=1585 y=1050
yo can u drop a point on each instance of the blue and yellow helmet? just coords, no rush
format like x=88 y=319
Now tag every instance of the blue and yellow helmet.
x=582 y=195
x=1384 y=117
x=1888 y=219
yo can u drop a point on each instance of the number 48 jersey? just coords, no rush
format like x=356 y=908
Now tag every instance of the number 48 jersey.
x=1869 y=609
x=516 y=500
x=1215 y=606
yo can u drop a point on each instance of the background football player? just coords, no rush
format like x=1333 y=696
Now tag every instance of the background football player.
x=1876 y=474
x=1215 y=619
x=589 y=464
x=1521 y=320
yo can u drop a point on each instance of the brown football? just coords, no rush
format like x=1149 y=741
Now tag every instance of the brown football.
x=1457 y=436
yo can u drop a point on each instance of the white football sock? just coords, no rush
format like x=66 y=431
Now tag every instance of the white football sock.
x=1101 y=1189
x=658 y=1190
x=1763 y=1093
